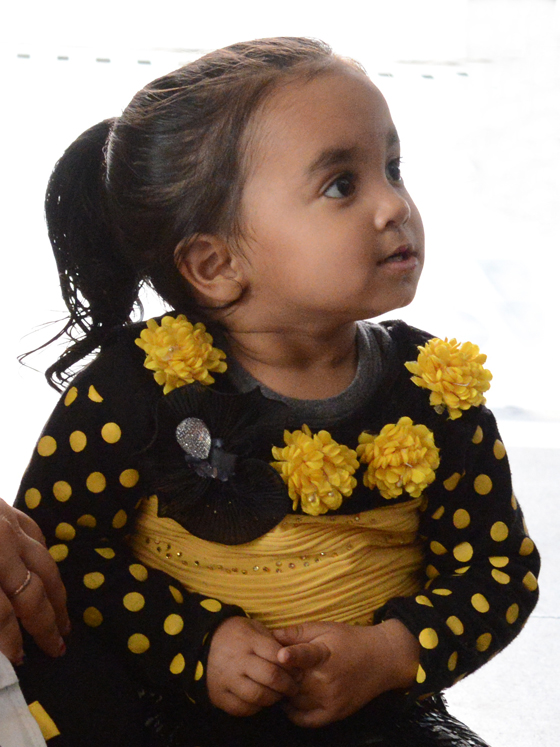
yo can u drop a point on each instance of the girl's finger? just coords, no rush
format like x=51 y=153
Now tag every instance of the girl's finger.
x=255 y=694
x=304 y=655
x=271 y=676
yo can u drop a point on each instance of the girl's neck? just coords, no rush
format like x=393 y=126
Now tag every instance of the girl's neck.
x=299 y=365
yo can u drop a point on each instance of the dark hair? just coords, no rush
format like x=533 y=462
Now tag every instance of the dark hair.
x=130 y=189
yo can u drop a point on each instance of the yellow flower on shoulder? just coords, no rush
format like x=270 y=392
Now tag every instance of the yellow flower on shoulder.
x=402 y=457
x=179 y=352
x=317 y=470
x=454 y=374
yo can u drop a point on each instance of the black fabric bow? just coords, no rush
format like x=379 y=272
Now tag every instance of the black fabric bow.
x=210 y=462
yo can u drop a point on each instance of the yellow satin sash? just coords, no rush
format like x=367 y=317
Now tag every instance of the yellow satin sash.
x=337 y=568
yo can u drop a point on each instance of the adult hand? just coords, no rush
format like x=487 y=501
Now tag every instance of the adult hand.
x=243 y=673
x=31 y=591
x=342 y=667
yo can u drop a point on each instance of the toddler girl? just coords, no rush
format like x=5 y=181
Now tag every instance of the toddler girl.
x=299 y=528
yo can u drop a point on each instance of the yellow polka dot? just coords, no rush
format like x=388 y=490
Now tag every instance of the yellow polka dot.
x=530 y=581
x=483 y=642
x=463 y=552
x=480 y=603
x=438 y=513
x=46 y=446
x=129 y=478
x=177 y=664
x=478 y=435
x=87 y=520
x=62 y=491
x=78 y=441
x=461 y=518
x=96 y=482
x=452 y=482
x=483 y=484
x=499 y=531
x=513 y=502
x=512 y=613
x=452 y=661
x=58 y=552
x=138 y=571
x=119 y=519
x=134 y=601
x=431 y=571
x=428 y=638
x=173 y=624
x=106 y=552
x=71 y=395
x=527 y=546
x=32 y=498
x=93 y=617
x=499 y=561
x=138 y=643
x=199 y=671
x=460 y=571
x=111 y=433
x=455 y=625
x=65 y=531
x=442 y=592
x=176 y=594
x=212 y=605
x=420 y=675
x=525 y=529
x=93 y=580
x=437 y=548
x=459 y=678
x=499 y=449
x=421 y=599
x=94 y=395
x=500 y=577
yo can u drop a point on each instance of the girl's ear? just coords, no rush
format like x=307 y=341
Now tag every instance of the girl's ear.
x=211 y=269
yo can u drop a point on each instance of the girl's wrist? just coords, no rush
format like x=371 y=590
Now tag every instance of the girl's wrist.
x=402 y=654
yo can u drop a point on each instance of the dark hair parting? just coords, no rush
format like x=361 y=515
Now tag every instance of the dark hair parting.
x=98 y=286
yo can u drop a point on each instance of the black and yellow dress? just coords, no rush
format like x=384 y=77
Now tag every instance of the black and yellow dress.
x=174 y=494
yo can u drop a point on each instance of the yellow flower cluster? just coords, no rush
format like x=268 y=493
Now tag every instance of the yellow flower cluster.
x=402 y=457
x=179 y=352
x=317 y=470
x=454 y=373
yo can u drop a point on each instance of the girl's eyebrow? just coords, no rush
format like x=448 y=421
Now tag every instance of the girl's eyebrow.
x=332 y=157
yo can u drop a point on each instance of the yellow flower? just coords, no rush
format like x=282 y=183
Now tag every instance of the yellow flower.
x=317 y=470
x=402 y=457
x=453 y=372
x=179 y=352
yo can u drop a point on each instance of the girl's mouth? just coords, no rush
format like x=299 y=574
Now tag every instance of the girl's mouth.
x=402 y=254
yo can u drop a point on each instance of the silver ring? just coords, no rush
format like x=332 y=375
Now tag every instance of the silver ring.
x=22 y=586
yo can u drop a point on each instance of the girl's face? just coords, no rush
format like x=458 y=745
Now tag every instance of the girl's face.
x=330 y=233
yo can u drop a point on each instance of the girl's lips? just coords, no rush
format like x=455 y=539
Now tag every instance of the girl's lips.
x=402 y=254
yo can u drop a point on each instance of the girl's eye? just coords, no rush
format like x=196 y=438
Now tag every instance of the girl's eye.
x=343 y=186
x=394 y=170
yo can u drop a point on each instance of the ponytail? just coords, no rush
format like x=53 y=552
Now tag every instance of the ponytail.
x=98 y=285
x=129 y=191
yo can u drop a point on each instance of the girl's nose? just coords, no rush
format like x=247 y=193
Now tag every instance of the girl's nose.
x=392 y=208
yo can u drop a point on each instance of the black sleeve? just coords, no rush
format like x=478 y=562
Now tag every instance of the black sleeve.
x=481 y=564
x=82 y=486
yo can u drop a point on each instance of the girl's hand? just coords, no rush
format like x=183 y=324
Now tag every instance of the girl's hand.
x=342 y=667
x=30 y=588
x=243 y=672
